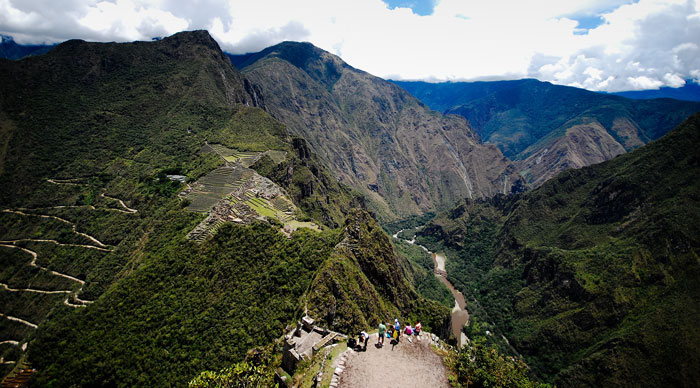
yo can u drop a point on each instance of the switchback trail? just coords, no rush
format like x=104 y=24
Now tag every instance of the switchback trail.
x=73 y=226
x=55 y=243
x=72 y=299
x=8 y=288
x=33 y=263
x=126 y=208
x=98 y=245
x=22 y=321
x=76 y=182
x=108 y=209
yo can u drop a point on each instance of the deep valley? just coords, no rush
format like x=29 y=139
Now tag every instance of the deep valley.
x=171 y=214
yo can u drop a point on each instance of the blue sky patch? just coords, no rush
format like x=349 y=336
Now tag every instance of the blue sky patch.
x=586 y=23
x=419 y=7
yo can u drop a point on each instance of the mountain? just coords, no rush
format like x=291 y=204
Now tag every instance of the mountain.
x=442 y=96
x=593 y=277
x=545 y=128
x=365 y=282
x=373 y=135
x=156 y=221
x=688 y=92
x=11 y=50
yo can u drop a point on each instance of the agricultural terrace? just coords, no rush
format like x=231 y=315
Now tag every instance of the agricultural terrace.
x=239 y=194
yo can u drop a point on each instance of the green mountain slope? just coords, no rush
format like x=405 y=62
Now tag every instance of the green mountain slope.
x=103 y=283
x=548 y=128
x=593 y=277
x=366 y=282
x=373 y=135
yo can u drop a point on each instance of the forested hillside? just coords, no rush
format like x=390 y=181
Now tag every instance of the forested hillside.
x=100 y=145
x=592 y=277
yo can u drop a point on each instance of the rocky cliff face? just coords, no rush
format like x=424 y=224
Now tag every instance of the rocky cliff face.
x=581 y=145
x=375 y=136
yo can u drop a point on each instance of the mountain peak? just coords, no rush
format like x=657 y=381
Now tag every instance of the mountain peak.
x=316 y=62
x=201 y=37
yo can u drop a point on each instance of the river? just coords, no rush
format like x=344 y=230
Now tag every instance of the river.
x=460 y=315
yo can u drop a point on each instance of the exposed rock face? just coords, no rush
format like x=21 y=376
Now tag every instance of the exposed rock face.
x=374 y=135
x=581 y=145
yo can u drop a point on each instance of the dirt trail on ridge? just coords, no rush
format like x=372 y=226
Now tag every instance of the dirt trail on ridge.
x=408 y=365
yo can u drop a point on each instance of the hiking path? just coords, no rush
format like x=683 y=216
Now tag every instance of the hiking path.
x=404 y=365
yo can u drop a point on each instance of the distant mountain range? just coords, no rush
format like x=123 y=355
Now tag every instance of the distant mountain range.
x=545 y=128
x=688 y=92
x=11 y=50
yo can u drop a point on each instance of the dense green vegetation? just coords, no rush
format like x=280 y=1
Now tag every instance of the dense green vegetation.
x=408 y=223
x=593 y=277
x=479 y=365
x=240 y=375
x=89 y=125
x=423 y=279
x=365 y=281
x=187 y=307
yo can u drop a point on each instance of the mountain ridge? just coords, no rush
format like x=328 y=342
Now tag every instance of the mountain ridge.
x=593 y=276
x=528 y=119
x=12 y=50
x=96 y=141
x=375 y=136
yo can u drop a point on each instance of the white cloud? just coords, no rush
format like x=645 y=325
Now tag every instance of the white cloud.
x=643 y=82
x=648 y=43
x=130 y=21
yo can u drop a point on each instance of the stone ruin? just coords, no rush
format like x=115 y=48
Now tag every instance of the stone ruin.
x=304 y=341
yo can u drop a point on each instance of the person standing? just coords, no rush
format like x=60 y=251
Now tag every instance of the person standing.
x=382 y=333
x=397 y=329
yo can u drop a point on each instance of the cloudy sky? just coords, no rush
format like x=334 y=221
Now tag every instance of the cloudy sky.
x=609 y=45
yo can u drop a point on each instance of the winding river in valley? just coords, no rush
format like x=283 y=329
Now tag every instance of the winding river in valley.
x=460 y=315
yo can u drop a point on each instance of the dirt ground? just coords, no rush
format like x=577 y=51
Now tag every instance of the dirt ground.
x=405 y=365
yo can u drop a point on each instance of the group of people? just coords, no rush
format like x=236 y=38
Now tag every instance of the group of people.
x=393 y=332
